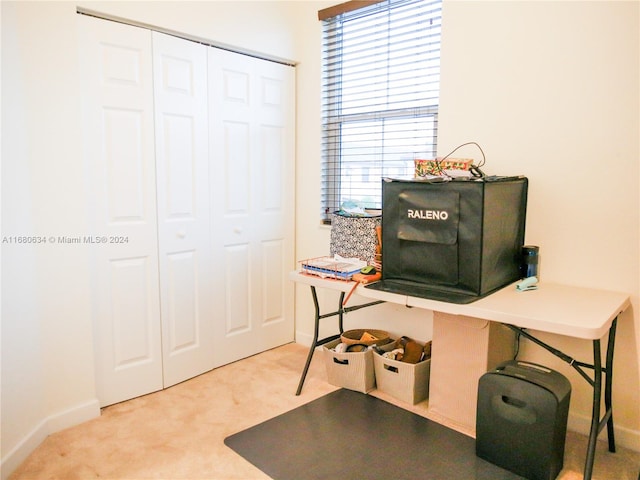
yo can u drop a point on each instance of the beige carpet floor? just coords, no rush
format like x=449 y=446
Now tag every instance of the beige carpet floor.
x=178 y=433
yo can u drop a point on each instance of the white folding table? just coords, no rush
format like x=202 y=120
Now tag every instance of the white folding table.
x=576 y=312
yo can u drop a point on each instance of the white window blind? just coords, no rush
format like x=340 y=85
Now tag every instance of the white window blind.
x=381 y=81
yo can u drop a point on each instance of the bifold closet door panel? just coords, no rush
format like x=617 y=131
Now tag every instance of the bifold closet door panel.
x=181 y=130
x=118 y=143
x=251 y=125
x=190 y=169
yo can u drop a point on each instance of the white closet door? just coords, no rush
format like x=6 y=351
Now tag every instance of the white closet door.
x=251 y=120
x=180 y=80
x=119 y=151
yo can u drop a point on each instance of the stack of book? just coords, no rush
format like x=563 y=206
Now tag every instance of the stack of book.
x=335 y=267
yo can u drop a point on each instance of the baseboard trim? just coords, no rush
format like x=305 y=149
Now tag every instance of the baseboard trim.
x=74 y=416
x=625 y=437
x=20 y=452
x=54 y=423
x=304 y=338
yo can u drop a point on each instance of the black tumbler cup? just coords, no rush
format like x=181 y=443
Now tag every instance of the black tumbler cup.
x=530 y=257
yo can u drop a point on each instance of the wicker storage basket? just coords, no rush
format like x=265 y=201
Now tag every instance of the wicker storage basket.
x=404 y=381
x=351 y=337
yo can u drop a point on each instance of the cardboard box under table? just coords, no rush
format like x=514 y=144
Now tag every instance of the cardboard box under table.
x=407 y=382
x=464 y=348
x=350 y=370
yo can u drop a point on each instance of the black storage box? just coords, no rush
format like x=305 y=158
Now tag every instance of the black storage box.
x=454 y=241
x=521 y=422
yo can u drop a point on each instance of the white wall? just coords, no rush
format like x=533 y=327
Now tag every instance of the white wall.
x=47 y=355
x=47 y=346
x=265 y=27
x=550 y=91
x=548 y=88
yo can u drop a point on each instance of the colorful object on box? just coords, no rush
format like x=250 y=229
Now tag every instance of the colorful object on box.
x=424 y=168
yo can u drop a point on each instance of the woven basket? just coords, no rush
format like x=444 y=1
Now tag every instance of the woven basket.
x=351 y=337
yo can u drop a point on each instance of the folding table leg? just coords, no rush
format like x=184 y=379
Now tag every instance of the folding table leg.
x=597 y=424
x=608 y=385
x=595 y=412
x=316 y=331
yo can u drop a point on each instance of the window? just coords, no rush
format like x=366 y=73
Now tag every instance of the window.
x=381 y=76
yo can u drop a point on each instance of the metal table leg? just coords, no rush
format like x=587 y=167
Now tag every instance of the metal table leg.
x=609 y=384
x=316 y=329
x=597 y=423
x=595 y=411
